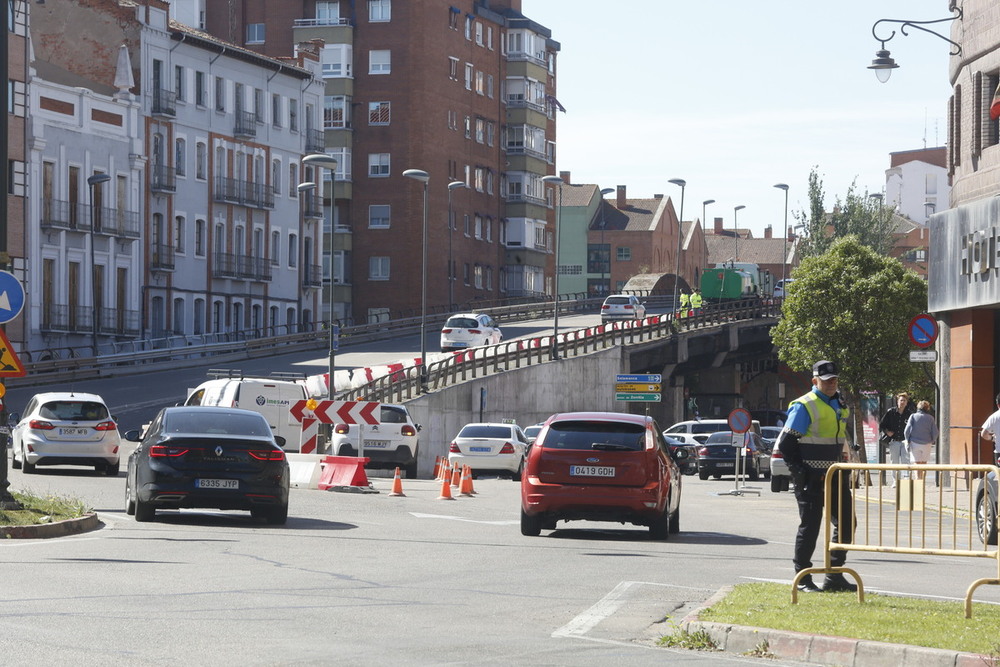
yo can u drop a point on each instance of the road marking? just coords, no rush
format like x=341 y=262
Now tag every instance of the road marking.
x=458 y=518
x=607 y=607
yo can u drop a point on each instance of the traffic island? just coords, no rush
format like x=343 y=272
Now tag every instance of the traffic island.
x=64 y=528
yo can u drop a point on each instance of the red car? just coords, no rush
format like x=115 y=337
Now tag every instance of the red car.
x=601 y=466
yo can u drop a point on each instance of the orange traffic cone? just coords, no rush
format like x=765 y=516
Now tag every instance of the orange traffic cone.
x=456 y=476
x=466 y=488
x=445 y=490
x=437 y=467
x=397 y=485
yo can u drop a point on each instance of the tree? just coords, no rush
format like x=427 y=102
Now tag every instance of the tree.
x=863 y=216
x=852 y=306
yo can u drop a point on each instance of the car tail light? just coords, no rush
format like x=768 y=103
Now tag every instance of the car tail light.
x=106 y=426
x=703 y=451
x=453 y=448
x=408 y=430
x=166 y=451
x=40 y=425
x=605 y=307
x=267 y=455
x=627 y=307
x=341 y=429
x=776 y=454
x=507 y=448
x=444 y=331
x=475 y=331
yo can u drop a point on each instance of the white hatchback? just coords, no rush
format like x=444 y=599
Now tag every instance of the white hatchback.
x=66 y=428
x=490 y=447
x=467 y=330
x=622 y=307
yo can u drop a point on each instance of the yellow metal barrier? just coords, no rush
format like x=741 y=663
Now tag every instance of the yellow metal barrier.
x=914 y=517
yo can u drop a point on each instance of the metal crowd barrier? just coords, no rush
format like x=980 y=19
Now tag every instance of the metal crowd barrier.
x=914 y=519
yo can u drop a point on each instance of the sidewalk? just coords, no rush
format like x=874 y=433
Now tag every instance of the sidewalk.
x=821 y=649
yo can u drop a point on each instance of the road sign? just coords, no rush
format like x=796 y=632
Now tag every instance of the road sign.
x=923 y=355
x=11 y=297
x=637 y=386
x=638 y=398
x=10 y=365
x=923 y=330
x=739 y=420
x=639 y=378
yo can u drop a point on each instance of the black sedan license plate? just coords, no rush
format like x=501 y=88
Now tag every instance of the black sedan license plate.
x=217 y=483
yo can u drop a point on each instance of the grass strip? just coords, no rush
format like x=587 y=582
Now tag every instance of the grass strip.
x=42 y=509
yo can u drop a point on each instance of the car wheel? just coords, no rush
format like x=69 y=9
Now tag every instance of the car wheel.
x=27 y=468
x=275 y=515
x=702 y=475
x=129 y=501
x=531 y=526
x=516 y=476
x=785 y=482
x=776 y=485
x=411 y=470
x=143 y=511
x=986 y=519
x=717 y=476
x=660 y=528
x=675 y=521
x=112 y=469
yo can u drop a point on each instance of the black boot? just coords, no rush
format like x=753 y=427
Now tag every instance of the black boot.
x=836 y=583
x=806 y=585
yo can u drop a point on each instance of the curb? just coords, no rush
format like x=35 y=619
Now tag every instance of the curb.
x=821 y=649
x=84 y=524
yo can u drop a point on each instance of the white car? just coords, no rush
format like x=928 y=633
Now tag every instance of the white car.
x=699 y=430
x=467 y=330
x=781 y=288
x=66 y=428
x=393 y=442
x=622 y=307
x=490 y=447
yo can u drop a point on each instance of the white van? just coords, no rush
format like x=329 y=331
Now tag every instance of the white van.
x=697 y=432
x=271 y=396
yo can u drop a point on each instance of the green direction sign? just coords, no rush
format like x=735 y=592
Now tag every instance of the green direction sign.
x=638 y=398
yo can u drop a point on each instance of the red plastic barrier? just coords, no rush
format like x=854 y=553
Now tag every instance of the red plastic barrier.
x=343 y=471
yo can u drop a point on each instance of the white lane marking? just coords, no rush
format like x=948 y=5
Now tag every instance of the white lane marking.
x=458 y=518
x=607 y=607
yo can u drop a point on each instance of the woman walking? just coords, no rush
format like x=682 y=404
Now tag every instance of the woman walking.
x=921 y=433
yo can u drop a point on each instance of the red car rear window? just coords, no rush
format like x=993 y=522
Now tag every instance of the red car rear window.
x=595 y=435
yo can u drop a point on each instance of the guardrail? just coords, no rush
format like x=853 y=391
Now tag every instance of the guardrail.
x=949 y=523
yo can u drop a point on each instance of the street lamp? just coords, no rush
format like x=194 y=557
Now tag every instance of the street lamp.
x=784 y=251
x=423 y=177
x=555 y=180
x=306 y=191
x=92 y=183
x=454 y=185
x=324 y=161
x=604 y=263
x=703 y=205
x=680 y=221
x=883 y=64
x=736 y=231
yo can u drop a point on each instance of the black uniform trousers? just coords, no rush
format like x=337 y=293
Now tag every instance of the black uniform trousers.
x=809 y=495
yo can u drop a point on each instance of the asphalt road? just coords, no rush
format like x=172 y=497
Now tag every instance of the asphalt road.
x=372 y=579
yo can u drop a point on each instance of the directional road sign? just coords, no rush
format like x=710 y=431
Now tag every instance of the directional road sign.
x=637 y=386
x=656 y=377
x=11 y=297
x=638 y=398
x=923 y=330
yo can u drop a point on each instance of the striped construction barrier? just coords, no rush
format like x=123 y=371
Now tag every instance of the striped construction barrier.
x=304 y=470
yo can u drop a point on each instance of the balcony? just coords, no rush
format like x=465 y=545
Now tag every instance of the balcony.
x=246 y=124
x=120 y=224
x=247 y=193
x=58 y=214
x=163 y=178
x=164 y=103
x=310 y=23
x=241 y=267
x=119 y=322
x=224 y=265
x=58 y=318
x=315 y=141
x=312 y=275
x=161 y=257
x=312 y=207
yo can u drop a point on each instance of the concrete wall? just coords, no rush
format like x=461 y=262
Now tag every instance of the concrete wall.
x=528 y=396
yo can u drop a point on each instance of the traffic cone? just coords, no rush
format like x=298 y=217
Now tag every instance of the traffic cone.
x=466 y=488
x=445 y=490
x=437 y=467
x=397 y=485
x=456 y=476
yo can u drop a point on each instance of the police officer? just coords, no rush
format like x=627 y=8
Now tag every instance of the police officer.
x=811 y=441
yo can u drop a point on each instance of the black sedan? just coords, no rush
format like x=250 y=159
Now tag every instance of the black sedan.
x=717 y=457
x=223 y=458
x=689 y=465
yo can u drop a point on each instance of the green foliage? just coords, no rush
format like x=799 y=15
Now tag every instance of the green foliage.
x=696 y=641
x=42 y=509
x=857 y=214
x=853 y=307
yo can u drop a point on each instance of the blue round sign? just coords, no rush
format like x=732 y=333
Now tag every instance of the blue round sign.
x=11 y=297
x=739 y=420
x=923 y=330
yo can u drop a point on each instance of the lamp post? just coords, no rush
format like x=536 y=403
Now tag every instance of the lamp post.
x=92 y=183
x=677 y=258
x=736 y=232
x=305 y=190
x=704 y=204
x=324 y=161
x=454 y=185
x=883 y=64
x=423 y=177
x=604 y=263
x=784 y=251
x=555 y=180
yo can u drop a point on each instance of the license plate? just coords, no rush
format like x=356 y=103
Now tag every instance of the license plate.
x=377 y=444
x=74 y=431
x=217 y=483
x=460 y=345
x=724 y=465
x=592 y=471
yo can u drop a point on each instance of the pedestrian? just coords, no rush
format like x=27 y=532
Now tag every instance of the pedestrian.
x=812 y=440
x=892 y=425
x=921 y=433
x=989 y=431
x=696 y=301
x=685 y=303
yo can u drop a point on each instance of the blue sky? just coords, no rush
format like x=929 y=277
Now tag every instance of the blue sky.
x=735 y=96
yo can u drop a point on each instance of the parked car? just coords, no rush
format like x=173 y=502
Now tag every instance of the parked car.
x=223 y=458
x=601 y=466
x=65 y=428
x=622 y=307
x=781 y=288
x=717 y=457
x=986 y=509
x=700 y=429
x=770 y=434
x=781 y=478
x=530 y=432
x=467 y=330
x=491 y=448
x=689 y=464
x=393 y=442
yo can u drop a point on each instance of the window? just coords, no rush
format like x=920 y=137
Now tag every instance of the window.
x=334 y=112
x=468 y=225
x=275 y=247
x=465 y=274
x=378 y=268
x=17 y=179
x=379 y=62
x=489 y=181
x=293 y=251
x=378 y=113
x=327 y=12
x=336 y=60
x=468 y=127
x=453 y=68
x=468 y=30
x=199 y=238
x=276 y=110
x=293 y=179
x=378 y=164
x=220 y=94
x=180 y=156
x=468 y=76
x=489 y=86
x=179 y=83
x=491 y=131
x=478 y=276
x=480 y=83
x=479 y=227
x=378 y=216
x=480 y=184
x=293 y=114
x=479 y=34
x=624 y=254
x=199 y=89
x=480 y=130
x=489 y=37
x=255 y=33
x=488 y=228
x=17 y=98
x=258 y=105
x=276 y=177
x=452 y=119
x=379 y=10
x=179 y=234
x=200 y=160
x=453 y=15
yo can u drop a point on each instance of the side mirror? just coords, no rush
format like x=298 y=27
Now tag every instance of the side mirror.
x=13 y=418
x=419 y=427
x=681 y=454
x=135 y=435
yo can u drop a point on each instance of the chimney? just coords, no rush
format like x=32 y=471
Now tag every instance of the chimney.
x=767 y=232
x=718 y=226
x=565 y=176
x=620 y=205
